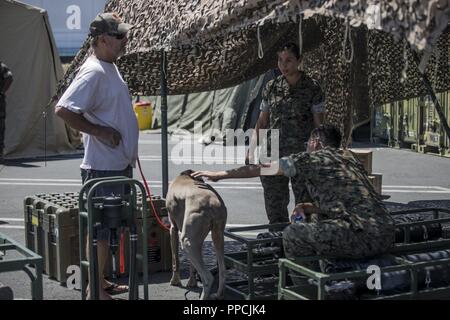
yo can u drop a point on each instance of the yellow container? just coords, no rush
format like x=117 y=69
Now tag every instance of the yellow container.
x=144 y=114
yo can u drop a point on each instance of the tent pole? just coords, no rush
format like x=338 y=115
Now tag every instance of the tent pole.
x=436 y=103
x=164 y=151
x=45 y=136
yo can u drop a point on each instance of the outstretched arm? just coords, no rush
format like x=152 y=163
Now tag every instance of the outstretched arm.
x=249 y=171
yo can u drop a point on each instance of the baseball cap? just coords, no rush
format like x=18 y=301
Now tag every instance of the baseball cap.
x=109 y=23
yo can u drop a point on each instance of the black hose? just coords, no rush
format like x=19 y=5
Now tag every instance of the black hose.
x=113 y=245
x=132 y=284
x=94 y=281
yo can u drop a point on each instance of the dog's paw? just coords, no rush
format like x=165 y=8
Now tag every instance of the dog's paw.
x=175 y=281
x=192 y=283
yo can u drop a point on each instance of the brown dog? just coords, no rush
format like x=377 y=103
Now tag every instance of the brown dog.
x=195 y=208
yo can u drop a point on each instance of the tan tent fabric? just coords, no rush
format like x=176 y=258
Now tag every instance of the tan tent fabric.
x=214 y=44
x=218 y=110
x=174 y=23
x=28 y=48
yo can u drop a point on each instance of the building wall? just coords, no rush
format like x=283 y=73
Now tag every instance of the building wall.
x=69 y=20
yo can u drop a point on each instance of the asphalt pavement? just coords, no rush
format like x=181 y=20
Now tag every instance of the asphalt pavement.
x=408 y=178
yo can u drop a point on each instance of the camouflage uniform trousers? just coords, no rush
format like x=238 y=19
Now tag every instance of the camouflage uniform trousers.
x=276 y=196
x=2 y=123
x=333 y=239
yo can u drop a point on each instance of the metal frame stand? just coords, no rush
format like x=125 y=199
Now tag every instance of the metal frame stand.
x=90 y=215
x=252 y=263
x=23 y=264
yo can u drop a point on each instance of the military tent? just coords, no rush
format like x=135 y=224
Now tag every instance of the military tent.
x=362 y=52
x=210 y=45
x=28 y=48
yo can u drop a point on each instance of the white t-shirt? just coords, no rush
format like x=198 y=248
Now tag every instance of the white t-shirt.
x=100 y=94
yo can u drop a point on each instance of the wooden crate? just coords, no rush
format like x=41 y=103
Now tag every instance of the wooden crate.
x=376 y=179
x=365 y=157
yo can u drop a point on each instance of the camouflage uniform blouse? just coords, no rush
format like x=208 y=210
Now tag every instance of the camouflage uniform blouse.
x=291 y=110
x=339 y=187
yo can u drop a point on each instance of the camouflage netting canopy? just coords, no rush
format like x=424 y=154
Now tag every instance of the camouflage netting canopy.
x=213 y=44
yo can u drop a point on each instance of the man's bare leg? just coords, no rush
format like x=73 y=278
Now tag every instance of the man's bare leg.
x=102 y=255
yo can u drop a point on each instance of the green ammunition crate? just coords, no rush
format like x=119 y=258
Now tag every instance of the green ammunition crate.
x=34 y=218
x=432 y=125
x=28 y=205
x=51 y=223
x=430 y=136
x=61 y=245
x=51 y=230
x=39 y=235
x=388 y=123
x=159 y=250
x=158 y=202
x=411 y=121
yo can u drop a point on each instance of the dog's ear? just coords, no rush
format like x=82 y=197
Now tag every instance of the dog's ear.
x=200 y=179
x=187 y=172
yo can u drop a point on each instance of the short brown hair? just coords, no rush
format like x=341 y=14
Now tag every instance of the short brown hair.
x=328 y=135
x=291 y=47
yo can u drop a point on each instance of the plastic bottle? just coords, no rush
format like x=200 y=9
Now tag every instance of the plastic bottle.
x=298 y=218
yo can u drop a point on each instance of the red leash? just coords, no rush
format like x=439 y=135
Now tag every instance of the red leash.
x=147 y=188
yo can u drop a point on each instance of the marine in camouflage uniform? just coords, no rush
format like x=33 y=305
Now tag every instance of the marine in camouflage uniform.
x=352 y=220
x=291 y=112
x=346 y=217
x=5 y=81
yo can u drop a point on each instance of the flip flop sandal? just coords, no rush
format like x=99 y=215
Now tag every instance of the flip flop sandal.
x=115 y=288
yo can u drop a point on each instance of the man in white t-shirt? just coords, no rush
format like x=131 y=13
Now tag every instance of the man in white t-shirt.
x=98 y=104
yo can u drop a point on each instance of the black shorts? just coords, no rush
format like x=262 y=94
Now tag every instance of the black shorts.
x=88 y=174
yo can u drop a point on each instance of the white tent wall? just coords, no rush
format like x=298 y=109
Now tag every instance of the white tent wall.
x=28 y=48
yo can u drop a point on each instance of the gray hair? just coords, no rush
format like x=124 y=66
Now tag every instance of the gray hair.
x=94 y=41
